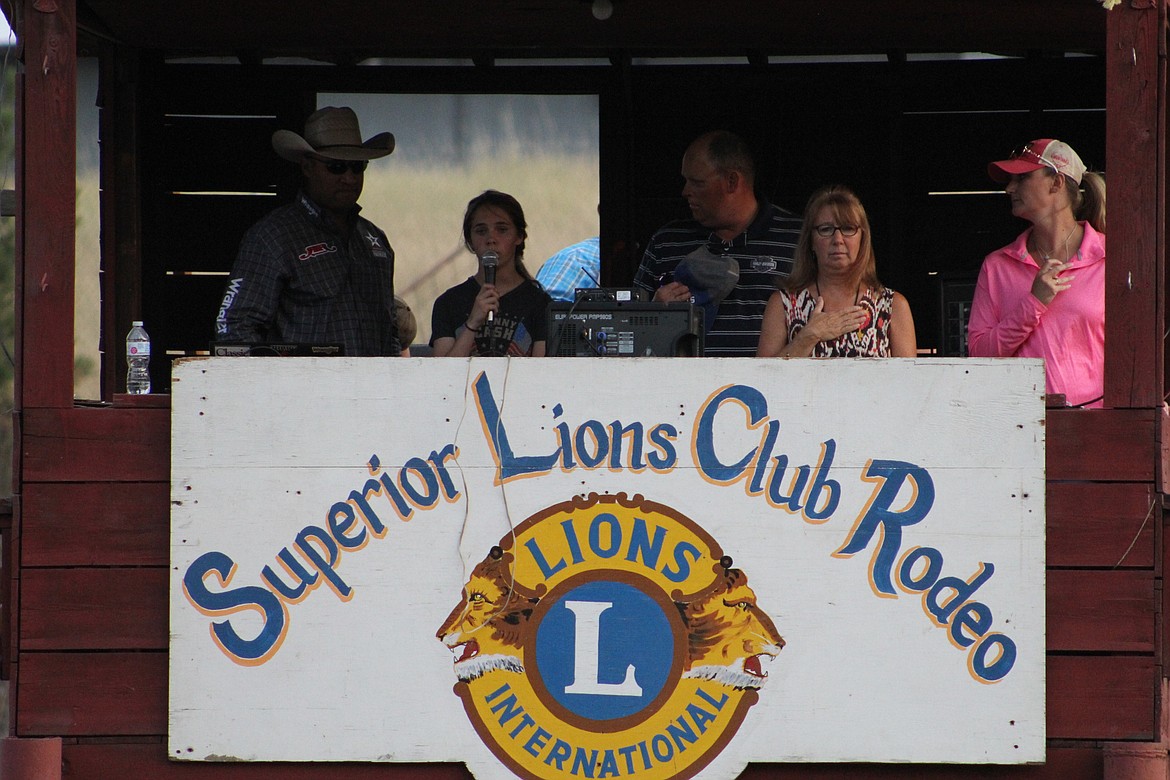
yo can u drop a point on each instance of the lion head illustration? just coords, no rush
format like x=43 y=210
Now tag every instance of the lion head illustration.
x=731 y=640
x=487 y=629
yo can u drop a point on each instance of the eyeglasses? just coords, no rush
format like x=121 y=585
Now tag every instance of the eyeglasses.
x=338 y=167
x=826 y=230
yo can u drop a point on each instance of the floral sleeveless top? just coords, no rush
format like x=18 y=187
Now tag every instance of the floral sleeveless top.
x=873 y=340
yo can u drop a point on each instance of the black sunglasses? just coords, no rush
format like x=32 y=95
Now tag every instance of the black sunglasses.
x=338 y=167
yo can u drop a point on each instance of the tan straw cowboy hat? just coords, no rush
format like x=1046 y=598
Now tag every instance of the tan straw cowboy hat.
x=332 y=132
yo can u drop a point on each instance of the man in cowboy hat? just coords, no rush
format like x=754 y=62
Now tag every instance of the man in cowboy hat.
x=315 y=271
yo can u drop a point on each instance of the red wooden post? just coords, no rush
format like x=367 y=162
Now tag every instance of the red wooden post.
x=1136 y=168
x=46 y=109
x=30 y=759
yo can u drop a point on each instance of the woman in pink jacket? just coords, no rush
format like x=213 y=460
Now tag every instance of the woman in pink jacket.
x=1043 y=295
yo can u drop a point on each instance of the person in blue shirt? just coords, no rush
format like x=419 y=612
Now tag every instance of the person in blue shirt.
x=576 y=266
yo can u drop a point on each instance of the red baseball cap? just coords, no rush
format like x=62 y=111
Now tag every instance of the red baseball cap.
x=1042 y=153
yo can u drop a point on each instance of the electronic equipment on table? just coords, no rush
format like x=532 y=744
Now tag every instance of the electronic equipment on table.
x=614 y=328
x=247 y=349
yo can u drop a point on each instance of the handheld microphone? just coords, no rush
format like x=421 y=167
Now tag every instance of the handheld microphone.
x=490 y=260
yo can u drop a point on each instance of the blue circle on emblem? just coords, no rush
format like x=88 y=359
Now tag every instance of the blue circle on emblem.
x=604 y=650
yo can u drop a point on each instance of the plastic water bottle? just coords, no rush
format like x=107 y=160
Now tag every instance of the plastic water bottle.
x=137 y=360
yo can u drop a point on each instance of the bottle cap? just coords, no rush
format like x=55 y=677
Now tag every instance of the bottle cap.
x=136 y=323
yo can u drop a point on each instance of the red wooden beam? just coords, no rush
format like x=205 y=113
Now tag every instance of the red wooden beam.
x=1099 y=611
x=99 y=694
x=1097 y=524
x=97 y=445
x=1102 y=697
x=47 y=113
x=96 y=524
x=1102 y=445
x=1136 y=168
x=100 y=609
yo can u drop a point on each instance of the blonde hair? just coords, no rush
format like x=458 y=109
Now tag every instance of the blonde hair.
x=1089 y=204
x=407 y=324
x=847 y=210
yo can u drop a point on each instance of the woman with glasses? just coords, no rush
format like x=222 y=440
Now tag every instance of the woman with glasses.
x=1043 y=295
x=833 y=304
x=500 y=310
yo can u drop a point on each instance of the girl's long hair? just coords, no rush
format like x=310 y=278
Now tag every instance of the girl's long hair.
x=510 y=206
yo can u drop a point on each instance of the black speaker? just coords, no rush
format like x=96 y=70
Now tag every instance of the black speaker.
x=624 y=329
x=955 y=293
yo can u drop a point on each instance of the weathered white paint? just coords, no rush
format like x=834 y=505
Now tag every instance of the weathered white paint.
x=262 y=448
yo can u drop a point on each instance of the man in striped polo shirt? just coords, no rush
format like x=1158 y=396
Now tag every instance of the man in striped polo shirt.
x=729 y=221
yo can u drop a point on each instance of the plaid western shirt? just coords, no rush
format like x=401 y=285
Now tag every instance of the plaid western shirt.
x=296 y=280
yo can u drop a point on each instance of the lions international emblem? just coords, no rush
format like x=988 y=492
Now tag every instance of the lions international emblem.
x=608 y=637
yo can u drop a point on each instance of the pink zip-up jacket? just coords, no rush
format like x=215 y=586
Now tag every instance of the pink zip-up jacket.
x=1008 y=321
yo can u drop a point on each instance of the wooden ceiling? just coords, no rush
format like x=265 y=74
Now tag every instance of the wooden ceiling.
x=352 y=30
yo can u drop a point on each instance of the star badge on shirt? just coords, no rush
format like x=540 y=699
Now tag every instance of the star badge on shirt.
x=375 y=243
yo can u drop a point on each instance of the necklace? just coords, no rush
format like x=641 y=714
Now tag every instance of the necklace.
x=1052 y=254
x=856 y=295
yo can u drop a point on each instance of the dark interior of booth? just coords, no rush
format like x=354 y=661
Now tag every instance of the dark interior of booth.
x=906 y=103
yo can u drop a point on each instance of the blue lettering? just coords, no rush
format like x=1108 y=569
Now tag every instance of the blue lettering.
x=341 y=518
x=622 y=435
x=508 y=464
x=1000 y=664
x=560 y=752
x=541 y=561
x=961 y=592
x=790 y=502
x=362 y=501
x=228 y=602
x=583 y=762
x=759 y=469
x=820 y=483
x=929 y=575
x=438 y=461
x=681 y=731
x=628 y=753
x=663 y=456
x=640 y=544
x=889 y=476
x=293 y=593
x=507 y=709
x=716 y=703
x=700 y=716
x=326 y=566
x=615 y=535
x=572 y=541
x=754 y=403
x=537 y=741
x=682 y=551
x=564 y=441
x=423 y=500
x=595 y=431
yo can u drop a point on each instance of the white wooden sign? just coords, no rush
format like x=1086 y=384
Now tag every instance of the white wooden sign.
x=643 y=568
